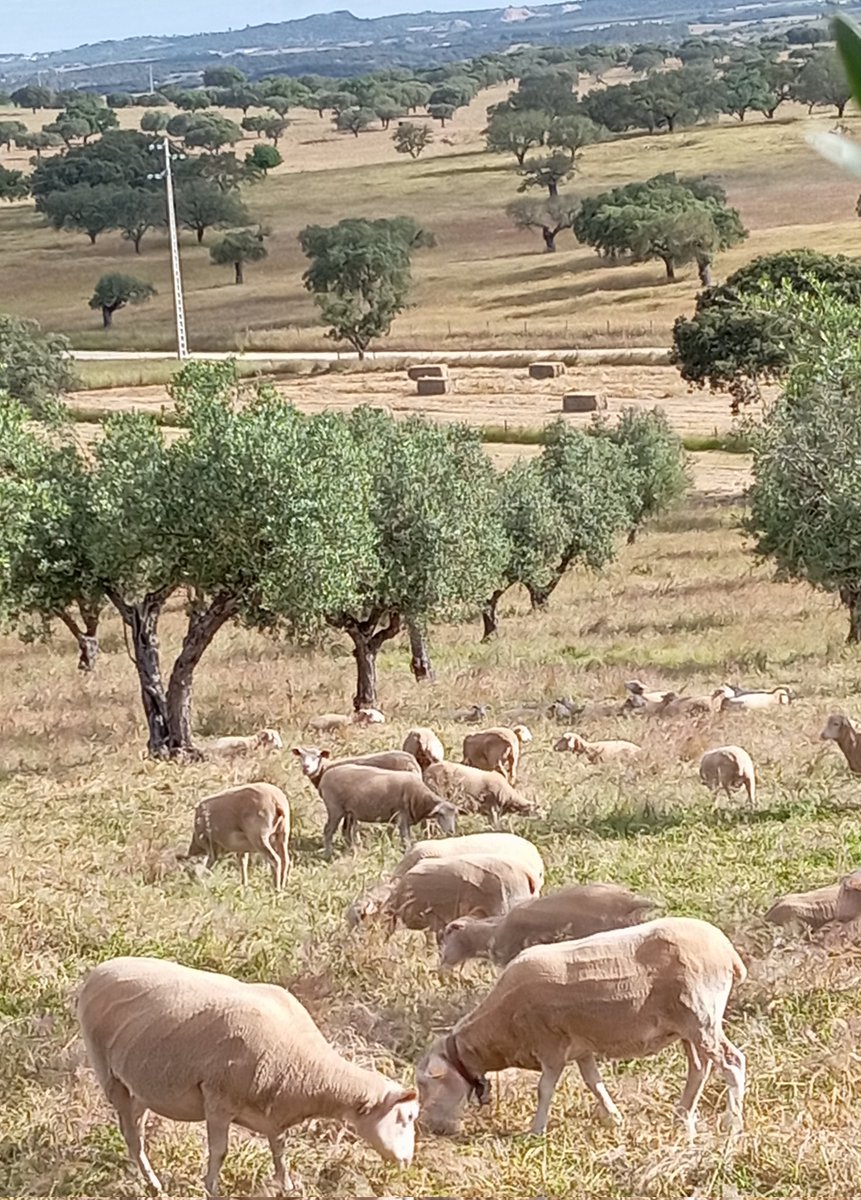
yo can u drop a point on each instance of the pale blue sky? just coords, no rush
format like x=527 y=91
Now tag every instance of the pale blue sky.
x=31 y=25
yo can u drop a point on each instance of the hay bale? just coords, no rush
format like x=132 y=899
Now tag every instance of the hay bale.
x=429 y=386
x=579 y=402
x=546 y=370
x=428 y=371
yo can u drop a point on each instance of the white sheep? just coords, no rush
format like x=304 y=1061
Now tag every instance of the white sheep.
x=197 y=1046
x=753 y=700
x=811 y=909
x=597 y=752
x=474 y=790
x=471 y=715
x=847 y=734
x=236 y=747
x=623 y=994
x=636 y=688
x=424 y=745
x=362 y=793
x=730 y=768
x=496 y=750
x=253 y=818
x=573 y=912
x=333 y=722
x=314 y=761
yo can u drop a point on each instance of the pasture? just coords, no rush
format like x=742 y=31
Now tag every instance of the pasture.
x=90 y=831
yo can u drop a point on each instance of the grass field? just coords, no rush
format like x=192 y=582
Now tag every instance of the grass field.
x=486 y=285
x=89 y=832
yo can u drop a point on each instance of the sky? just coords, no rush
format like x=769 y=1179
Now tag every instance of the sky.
x=34 y=25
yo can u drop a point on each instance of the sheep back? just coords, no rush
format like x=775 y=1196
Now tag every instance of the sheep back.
x=233 y=820
x=439 y=890
x=812 y=909
x=475 y=790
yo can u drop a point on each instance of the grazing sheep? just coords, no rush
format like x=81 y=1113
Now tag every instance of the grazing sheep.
x=812 y=909
x=623 y=994
x=197 y=1046
x=332 y=722
x=496 y=750
x=728 y=767
x=472 y=715
x=849 y=897
x=473 y=790
x=508 y=846
x=371 y=794
x=424 y=745
x=236 y=747
x=572 y=912
x=253 y=818
x=436 y=891
x=314 y=762
x=847 y=734
x=753 y=700
x=597 y=752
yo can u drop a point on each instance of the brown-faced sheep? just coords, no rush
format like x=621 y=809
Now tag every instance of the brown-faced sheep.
x=847 y=734
x=253 y=818
x=496 y=750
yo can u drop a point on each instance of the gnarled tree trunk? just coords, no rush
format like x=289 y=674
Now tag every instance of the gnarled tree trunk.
x=87 y=638
x=851 y=597
x=549 y=236
x=539 y=596
x=489 y=616
x=420 y=663
x=704 y=270
x=367 y=640
x=142 y=623
x=203 y=624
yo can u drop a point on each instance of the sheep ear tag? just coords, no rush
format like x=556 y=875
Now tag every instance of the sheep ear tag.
x=481 y=1090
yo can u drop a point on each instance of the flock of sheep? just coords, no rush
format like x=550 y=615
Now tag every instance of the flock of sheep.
x=586 y=972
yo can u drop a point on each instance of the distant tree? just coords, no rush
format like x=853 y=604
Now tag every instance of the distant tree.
x=243 y=96
x=550 y=216
x=279 y=104
x=115 y=291
x=154 y=122
x=412 y=139
x=454 y=93
x=414 y=94
x=270 y=127
x=780 y=78
x=646 y=60
x=360 y=274
x=546 y=89
x=571 y=134
x=615 y=108
x=89 y=111
x=516 y=133
x=355 y=120
x=84 y=208
x=151 y=100
x=387 y=110
x=192 y=101
x=35 y=367
x=70 y=129
x=264 y=158
x=33 y=97
x=11 y=131
x=202 y=205
x=225 y=170
x=211 y=132
x=808 y=35
x=733 y=342
x=179 y=124
x=666 y=218
x=14 y=185
x=699 y=51
x=38 y=142
x=335 y=101
x=119 y=100
x=656 y=456
x=223 y=77
x=237 y=248
x=746 y=87
x=549 y=171
x=134 y=211
x=441 y=112
x=822 y=80
x=680 y=97
x=120 y=156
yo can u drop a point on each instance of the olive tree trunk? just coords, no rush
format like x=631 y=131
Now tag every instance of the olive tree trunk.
x=367 y=640
x=851 y=597
x=490 y=617
x=86 y=637
x=420 y=663
x=141 y=620
x=203 y=624
x=549 y=236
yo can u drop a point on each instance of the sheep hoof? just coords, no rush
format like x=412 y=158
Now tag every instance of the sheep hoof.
x=731 y=1124
x=611 y=1118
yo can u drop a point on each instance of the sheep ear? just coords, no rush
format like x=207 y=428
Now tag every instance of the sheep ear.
x=296 y=751
x=325 y=753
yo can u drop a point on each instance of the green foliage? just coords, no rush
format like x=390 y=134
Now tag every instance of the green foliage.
x=33 y=97
x=114 y=291
x=441 y=112
x=548 y=171
x=11 y=131
x=34 y=366
x=733 y=343
x=360 y=274
x=202 y=205
x=745 y=85
x=679 y=97
x=823 y=81
x=192 y=101
x=212 y=132
x=536 y=534
x=38 y=142
x=656 y=457
x=238 y=247
x=223 y=77
x=119 y=157
x=14 y=185
x=805 y=504
x=134 y=211
x=546 y=89
x=550 y=216
x=355 y=120
x=412 y=139
x=270 y=127
x=84 y=208
x=572 y=133
x=615 y=108
x=153 y=121
x=86 y=113
x=515 y=132
x=119 y=100
x=264 y=158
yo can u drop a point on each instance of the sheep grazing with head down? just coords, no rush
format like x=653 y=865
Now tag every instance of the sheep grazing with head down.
x=496 y=750
x=424 y=745
x=624 y=994
x=728 y=768
x=197 y=1046
x=473 y=790
x=810 y=910
x=253 y=818
x=355 y=793
x=238 y=747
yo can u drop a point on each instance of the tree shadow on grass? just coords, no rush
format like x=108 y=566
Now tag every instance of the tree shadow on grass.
x=622 y=823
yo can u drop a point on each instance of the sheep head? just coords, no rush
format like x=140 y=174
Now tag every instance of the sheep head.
x=312 y=761
x=522 y=734
x=270 y=739
x=570 y=741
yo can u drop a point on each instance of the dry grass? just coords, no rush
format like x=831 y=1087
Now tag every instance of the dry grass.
x=486 y=285
x=88 y=831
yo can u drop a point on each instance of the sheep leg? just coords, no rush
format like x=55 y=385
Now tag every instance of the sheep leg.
x=698 y=1072
x=329 y=832
x=404 y=830
x=132 y=1116
x=606 y=1108
x=283 y=1179
x=268 y=851
x=732 y=1066
x=217 y=1134
x=243 y=869
x=546 y=1087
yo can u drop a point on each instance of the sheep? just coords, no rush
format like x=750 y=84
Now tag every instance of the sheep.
x=507 y=846
x=847 y=734
x=436 y=891
x=496 y=750
x=811 y=909
x=371 y=794
x=685 y=706
x=198 y=1046
x=473 y=790
x=636 y=688
x=597 y=752
x=753 y=700
x=573 y=912
x=626 y=993
x=424 y=745
x=565 y=709
x=472 y=715
x=728 y=767
x=314 y=762
x=332 y=722
x=253 y=818
x=236 y=747
x=849 y=897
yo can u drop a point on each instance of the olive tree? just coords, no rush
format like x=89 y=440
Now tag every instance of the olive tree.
x=550 y=216
x=656 y=457
x=114 y=291
x=35 y=366
x=238 y=247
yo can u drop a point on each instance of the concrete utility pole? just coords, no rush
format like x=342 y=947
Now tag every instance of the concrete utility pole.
x=178 y=302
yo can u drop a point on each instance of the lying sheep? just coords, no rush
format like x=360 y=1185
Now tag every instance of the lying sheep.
x=437 y=890
x=371 y=794
x=197 y=1046
x=424 y=745
x=508 y=846
x=625 y=994
x=253 y=818
x=636 y=688
x=847 y=734
x=472 y=715
x=473 y=790
x=811 y=909
x=565 y=709
x=597 y=752
x=572 y=912
x=496 y=750
x=753 y=700
x=332 y=722
x=236 y=747
x=730 y=768
x=849 y=897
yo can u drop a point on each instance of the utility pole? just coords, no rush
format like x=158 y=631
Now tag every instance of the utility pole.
x=178 y=302
x=151 y=83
